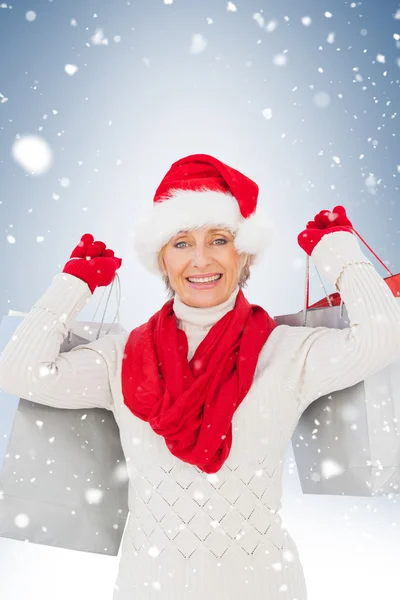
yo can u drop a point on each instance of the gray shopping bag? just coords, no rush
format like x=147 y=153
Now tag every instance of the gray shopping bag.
x=72 y=493
x=340 y=459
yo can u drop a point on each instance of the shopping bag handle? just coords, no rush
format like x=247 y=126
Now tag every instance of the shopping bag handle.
x=105 y=309
x=307 y=291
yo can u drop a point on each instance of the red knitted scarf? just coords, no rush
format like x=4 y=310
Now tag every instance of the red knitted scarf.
x=191 y=404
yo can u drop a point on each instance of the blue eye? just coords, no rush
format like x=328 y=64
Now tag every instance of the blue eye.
x=177 y=245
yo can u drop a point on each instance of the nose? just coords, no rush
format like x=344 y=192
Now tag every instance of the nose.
x=201 y=257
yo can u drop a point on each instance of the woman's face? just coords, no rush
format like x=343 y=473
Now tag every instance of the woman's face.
x=202 y=253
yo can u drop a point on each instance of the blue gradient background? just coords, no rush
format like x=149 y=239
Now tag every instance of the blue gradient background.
x=135 y=107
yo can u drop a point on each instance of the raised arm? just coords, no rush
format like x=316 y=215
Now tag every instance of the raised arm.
x=31 y=365
x=323 y=360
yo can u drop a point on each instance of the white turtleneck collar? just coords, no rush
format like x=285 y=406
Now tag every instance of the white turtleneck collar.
x=197 y=322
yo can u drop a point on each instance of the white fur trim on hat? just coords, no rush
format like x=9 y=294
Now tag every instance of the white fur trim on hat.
x=188 y=209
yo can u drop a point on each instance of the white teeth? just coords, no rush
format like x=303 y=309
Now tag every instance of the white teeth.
x=203 y=279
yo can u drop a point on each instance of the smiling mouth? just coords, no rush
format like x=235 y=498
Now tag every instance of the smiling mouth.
x=205 y=279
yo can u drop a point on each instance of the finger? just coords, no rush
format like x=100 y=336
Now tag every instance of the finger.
x=327 y=218
x=340 y=210
x=100 y=244
x=320 y=221
x=87 y=238
x=93 y=250
x=342 y=216
x=108 y=252
x=80 y=250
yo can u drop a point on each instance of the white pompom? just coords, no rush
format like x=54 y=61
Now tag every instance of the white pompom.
x=254 y=236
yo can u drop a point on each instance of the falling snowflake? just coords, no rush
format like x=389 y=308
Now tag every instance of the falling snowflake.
x=98 y=38
x=33 y=154
x=267 y=113
x=259 y=19
x=121 y=473
x=71 y=69
x=65 y=182
x=280 y=60
x=199 y=43
x=30 y=15
x=198 y=495
x=306 y=21
x=271 y=26
x=153 y=551
x=370 y=182
x=381 y=58
x=322 y=99
x=21 y=521
x=231 y=7
x=94 y=496
x=288 y=556
x=330 y=468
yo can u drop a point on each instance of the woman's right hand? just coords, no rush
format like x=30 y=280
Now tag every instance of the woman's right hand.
x=92 y=262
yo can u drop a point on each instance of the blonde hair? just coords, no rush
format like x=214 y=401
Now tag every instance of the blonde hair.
x=245 y=262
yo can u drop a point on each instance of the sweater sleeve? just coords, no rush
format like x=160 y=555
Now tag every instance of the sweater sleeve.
x=327 y=360
x=31 y=365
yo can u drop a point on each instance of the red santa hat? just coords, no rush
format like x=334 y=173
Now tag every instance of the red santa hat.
x=200 y=190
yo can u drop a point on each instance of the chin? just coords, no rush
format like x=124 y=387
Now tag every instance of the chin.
x=206 y=298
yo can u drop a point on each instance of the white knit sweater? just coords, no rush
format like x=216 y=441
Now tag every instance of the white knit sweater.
x=192 y=535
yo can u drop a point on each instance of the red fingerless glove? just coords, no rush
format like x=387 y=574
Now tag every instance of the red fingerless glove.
x=324 y=222
x=92 y=262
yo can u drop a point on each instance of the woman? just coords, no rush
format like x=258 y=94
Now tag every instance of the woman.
x=208 y=392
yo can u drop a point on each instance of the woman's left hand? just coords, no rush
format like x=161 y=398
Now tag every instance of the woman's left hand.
x=324 y=222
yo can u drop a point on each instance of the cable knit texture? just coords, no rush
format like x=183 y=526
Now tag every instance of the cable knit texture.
x=191 y=535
